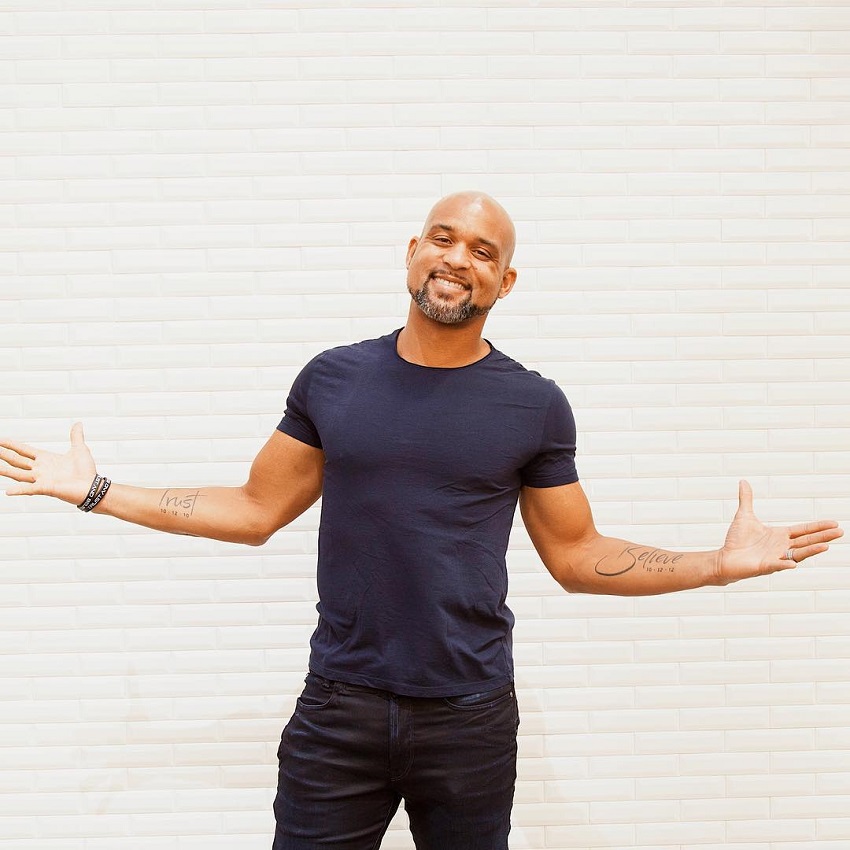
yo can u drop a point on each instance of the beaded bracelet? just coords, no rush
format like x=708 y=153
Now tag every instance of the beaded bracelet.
x=96 y=492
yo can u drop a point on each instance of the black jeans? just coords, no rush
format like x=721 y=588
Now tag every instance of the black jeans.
x=350 y=754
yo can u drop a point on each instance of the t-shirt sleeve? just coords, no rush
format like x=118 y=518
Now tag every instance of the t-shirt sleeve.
x=555 y=461
x=296 y=418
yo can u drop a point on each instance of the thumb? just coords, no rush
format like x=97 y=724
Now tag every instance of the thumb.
x=745 y=498
x=77 y=436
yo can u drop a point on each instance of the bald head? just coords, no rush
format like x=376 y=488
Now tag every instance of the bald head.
x=460 y=265
x=484 y=207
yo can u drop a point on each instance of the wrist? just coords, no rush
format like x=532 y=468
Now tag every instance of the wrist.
x=96 y=492
x=74 y=491
x=716 y=576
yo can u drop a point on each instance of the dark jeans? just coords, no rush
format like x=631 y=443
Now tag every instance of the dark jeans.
x=350 y=754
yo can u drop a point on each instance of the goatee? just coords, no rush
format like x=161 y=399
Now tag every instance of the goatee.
x=446 y=312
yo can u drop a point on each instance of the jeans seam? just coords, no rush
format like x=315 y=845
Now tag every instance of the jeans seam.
x=387 y=820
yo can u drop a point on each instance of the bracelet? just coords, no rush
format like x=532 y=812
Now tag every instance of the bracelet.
x=96 y=492
x=94 y=485
x=101 y=493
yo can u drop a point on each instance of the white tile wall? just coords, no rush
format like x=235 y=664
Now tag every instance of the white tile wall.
x=196 y=196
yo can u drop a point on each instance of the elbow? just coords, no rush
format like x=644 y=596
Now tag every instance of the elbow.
x=262 y=518
x=255 y=534
x=567 y=577
x=254 y=524
x=583 y=588
x=260 y=535
x=573 y=568
x=240 y=536
x=572 y=584
x=256 y=540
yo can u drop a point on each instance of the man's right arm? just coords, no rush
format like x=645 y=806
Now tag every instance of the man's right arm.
x=285 y=479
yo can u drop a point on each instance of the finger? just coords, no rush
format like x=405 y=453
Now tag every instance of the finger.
x=14 y=459
x=23 y=490
x=800 y=554
x=745 y=498
x=21 y=448
x=811 y=527
x=781 y=563
x=23 y=475
x=824 y=536
x=77 y=436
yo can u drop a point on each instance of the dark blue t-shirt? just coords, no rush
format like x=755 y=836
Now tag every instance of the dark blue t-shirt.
x=423 y=468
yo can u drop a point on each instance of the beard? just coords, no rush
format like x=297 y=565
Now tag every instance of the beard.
x=444 y=311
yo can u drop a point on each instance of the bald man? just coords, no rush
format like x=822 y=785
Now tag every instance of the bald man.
x=421 y=443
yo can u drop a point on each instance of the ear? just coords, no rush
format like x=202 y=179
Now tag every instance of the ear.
x=411 y=248
x=508 y=281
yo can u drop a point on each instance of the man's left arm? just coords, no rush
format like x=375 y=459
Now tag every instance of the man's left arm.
x=560 y=524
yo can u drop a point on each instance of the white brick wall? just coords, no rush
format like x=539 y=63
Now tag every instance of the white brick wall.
x=196 y=196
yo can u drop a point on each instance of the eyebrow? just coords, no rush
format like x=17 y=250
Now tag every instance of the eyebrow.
x=492 y=245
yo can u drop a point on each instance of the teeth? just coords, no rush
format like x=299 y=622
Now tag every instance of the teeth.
x=452 y=283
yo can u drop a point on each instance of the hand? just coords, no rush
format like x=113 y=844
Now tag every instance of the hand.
x=42 y=473
x=754 y=549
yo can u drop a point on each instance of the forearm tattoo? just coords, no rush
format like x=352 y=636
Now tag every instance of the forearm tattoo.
x=180 y=503
x=651 y=561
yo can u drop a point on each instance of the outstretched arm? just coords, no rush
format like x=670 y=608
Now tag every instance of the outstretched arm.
x=560 y=524
x=285 y=479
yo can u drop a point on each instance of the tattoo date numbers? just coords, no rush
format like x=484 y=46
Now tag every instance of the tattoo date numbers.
x=651 y=560
x=179 y=504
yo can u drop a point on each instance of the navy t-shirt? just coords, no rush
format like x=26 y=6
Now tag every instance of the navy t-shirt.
x=423 y=468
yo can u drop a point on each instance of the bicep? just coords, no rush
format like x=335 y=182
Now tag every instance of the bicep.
x=558 y=521
x=285 y=479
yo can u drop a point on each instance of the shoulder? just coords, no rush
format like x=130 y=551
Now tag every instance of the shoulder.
x=352 y=356
x=522 y=379
x=334 y=370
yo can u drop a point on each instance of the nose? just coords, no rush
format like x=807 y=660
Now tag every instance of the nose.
x=456 y=256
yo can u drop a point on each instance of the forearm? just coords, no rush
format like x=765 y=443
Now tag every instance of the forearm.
x=285 y=479
x=617 y=567
x=220 y=513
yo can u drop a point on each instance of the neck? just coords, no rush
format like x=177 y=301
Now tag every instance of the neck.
x=428 y=343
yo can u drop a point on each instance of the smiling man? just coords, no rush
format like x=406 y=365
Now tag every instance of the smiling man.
x=442 y=282
x=421 y=442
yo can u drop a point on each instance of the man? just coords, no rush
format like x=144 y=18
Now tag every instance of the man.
x=421 y=443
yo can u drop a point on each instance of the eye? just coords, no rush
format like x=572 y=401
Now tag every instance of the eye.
x=443 y=240
x=484 y=255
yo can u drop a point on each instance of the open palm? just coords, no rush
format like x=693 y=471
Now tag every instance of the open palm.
x=38 y=472
x=753 y=549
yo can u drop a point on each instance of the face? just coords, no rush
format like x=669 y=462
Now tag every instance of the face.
x=460 y=265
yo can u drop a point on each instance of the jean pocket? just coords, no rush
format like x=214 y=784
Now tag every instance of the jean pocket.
x=484 y=699
x=317 y=693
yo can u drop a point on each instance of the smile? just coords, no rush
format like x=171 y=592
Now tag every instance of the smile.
x=450 y=284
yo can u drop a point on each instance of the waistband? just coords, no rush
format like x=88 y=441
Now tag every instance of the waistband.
x=348 y=687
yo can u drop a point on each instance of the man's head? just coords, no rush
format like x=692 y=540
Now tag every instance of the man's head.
x=460 y=264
